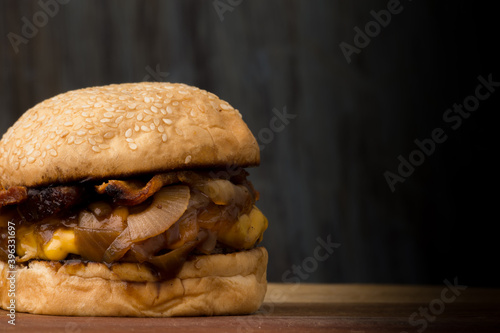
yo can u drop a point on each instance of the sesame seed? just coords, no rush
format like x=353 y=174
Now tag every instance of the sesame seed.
x=132 y=106
x=146 y=111
x=163 y=111
x=145 y=129
x=202 y=108
x=167 y=121
x=188 y=159
x=169 y=110
x=79 y=141
x=161 y=129
x=137 y=128
x=30 y=150
x=98 y=139
x=108 y=115
x=16 y=165
x=132 y=146
x=128 y=133
x=53 y=152
x=68 y=123
x=152 y=126
x=96 y=149
x=140 y=116
x=156 y=121
x=44 y=154
x=129 y=140
x=130 y=115
x=80 y=133
x=119 y=120
x=183 y=92
x=110 y=109
x=175 y=103
x=97 y=105
x=225 y=106
x=109 y=135
x=164 y=137
x=71 y=139
x=147 y=100
x=31 y=159
x=24 y=162
x=154 y=109
x=105 y=120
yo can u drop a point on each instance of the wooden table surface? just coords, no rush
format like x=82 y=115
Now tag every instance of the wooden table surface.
x=314 y=308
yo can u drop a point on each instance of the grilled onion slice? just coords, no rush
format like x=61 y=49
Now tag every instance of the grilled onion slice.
x=168 y=205
x=169 y=264
x=92 y=243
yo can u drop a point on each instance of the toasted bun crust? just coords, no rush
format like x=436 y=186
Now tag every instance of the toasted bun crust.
x=121 y=130
x=218 y=284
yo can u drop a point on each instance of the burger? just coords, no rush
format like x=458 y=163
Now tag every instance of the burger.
x=131 y=200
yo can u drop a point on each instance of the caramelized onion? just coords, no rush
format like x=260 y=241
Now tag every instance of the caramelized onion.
x=208 y=245
x=168 y=206
x=118 y=247
x=169 y=264
x=93 y=243
x=221 y=191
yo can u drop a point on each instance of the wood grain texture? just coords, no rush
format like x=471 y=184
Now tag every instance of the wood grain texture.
x=307 y=308
x=323 y=173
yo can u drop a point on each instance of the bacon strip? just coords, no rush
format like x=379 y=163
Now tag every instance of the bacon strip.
x=13 y=195
x=131 y=193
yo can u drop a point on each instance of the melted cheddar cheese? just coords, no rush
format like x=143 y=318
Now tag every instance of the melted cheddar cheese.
x=30 y=245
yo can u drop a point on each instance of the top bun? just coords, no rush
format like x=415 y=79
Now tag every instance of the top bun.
x=122 y=130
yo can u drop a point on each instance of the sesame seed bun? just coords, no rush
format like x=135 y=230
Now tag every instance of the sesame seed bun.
x=218 y=284
x=121 y=130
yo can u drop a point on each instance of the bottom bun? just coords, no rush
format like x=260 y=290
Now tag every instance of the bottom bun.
x=219 y=284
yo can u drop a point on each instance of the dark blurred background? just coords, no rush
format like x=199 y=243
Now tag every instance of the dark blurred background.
x=343 y=121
